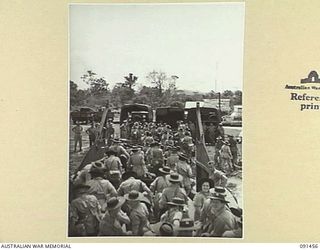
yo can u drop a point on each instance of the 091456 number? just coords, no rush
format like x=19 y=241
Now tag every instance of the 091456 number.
x=305 y=245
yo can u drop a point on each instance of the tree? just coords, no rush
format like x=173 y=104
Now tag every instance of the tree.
x=97 y=86
x=73 y=93
x=238 y=97
x=158 y=80
x=77 y=96
x=177 y=104
x=121 y=94
x=130 y=81
x=227 y=94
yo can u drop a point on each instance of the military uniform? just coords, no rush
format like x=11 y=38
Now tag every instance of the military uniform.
x=184 y=169
x=169 y=193
x=101 y=189
x=132 y=184
x=172 y=161
x=138 y=165
x=85 y=215
x=77 y=130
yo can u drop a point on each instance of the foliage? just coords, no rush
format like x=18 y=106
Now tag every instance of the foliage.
x=161 y=92
x=121 y=94
x=130 y=81
x=77 y=96
x=97 y=86
x=158 y=80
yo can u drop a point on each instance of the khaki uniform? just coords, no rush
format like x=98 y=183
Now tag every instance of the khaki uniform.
x=85 y=215
x=139 y=220
x=185 y=170
x=132 y=184
x=169 y=193
x=77 y=130
x=138 y=165
x=101 y=189
x=172 y=161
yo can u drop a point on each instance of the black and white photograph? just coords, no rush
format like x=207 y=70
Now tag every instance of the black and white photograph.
x=155 y=120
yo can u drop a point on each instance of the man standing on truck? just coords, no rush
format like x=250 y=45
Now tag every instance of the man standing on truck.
x=77 y=130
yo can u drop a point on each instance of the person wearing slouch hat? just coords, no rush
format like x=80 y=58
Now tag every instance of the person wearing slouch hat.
x=174 y=190
x=184 y=169
x=215 y=217
x=99 y=187
x=186 y=228
x=84 y=212
x=224 y=220
x=139 y=214
x=175 y=211
x=136 y=162
x=157 y=187
x=114 y=217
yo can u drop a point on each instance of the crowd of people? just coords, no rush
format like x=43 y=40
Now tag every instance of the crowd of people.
x=145 y=185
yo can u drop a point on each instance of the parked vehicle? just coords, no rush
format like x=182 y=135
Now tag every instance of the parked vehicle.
x=169 y=115
x=83 y=115
x=136 y=112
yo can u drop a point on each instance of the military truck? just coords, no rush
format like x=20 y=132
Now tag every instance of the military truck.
x=83 y=115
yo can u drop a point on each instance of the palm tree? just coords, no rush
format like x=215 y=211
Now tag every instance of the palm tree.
x=130 y=80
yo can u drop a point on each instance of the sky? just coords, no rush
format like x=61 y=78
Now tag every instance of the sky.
x=202 y=44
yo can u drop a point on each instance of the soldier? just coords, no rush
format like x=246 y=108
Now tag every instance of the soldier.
x=174 y=213
x=157 y=187
x=124 y=128
x=85 y=213
x=111 y=223
x=77 y=130
x=99 y=187
x=135 y=134
x=218 y=145
x=92 y=134
x=187 y=143
x=234 y=151
x=118 y=148
x=174 y=190
x=130 y=182
x=223 y=219
x=186 y=228
x=139 y=214
x=113 y=166
x=184 y=169
x=220 y=130
x=218 y=177
x=109 y=132
x=173 y=159
x=226 y=157
x=148 y=139
x=155 y=157
x=136 y=162
x=211 y=134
